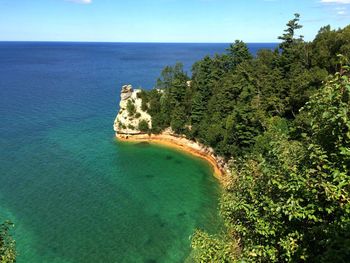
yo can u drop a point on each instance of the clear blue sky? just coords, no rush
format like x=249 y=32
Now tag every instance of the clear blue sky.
x=164 y=20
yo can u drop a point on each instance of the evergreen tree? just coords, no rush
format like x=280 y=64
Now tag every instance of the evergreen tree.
x=178 y=119
x=238 y=53
x=289 y=134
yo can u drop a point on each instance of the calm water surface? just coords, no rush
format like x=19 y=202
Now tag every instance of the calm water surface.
x=73 y=192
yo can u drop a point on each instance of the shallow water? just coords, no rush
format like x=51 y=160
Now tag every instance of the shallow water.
x=74 y=193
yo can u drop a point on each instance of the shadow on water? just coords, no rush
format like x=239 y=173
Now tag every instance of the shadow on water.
x=182 y=214
x=168 y=157
x=143 y=144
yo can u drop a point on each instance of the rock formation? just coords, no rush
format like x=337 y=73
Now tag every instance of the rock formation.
x=126 y=92
x=126 y=126
x=130 y=113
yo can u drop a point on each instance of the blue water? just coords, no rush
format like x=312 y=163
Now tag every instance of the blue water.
x=74 y=193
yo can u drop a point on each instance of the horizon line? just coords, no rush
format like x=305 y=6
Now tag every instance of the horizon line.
x=127 y=42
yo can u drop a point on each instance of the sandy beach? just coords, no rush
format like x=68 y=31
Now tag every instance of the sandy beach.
x=182 y=144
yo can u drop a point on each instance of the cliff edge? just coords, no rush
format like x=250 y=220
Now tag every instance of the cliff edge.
x=131 y=119
x=134 y=124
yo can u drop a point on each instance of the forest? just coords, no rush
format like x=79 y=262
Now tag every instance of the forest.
x=282 y=120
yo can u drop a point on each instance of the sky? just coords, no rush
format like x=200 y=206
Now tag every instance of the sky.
x=165 y=20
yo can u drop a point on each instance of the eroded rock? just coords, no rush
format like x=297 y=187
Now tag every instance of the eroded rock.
x=127 y=122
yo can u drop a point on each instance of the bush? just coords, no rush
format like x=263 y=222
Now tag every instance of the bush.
x=143 y=126
x=144 y=105
x=130 y=108
x=7 y=244
x=211 y=249
x=143 y=95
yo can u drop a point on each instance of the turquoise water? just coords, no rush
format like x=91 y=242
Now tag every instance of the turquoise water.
x=93 y=199
x=74 y=193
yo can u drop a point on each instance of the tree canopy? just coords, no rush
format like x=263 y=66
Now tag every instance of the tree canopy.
x=283 y=117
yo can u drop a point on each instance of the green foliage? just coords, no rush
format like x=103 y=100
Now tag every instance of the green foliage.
x=7 y=244
x=289 y=133
x=238 y=53
x=145 y=99
x=231 y=96
x=327 y=45
x=178 y=119
x=211 y=249
x=288 y=37
x=169 y=103
x=143 y=126
x=130 y=107
x=131 y=127
x=289 y=200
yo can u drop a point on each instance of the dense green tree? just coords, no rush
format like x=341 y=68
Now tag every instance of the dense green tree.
x=327 y=45
x=130 y=107
x=288 y=37
x=287 y=131
x=143 y=126
x=238 y=53
x=289 y=200
x=201 y=83
x=178 y=119
x=144 y=99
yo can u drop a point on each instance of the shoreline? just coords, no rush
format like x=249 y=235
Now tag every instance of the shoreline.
x=183 y=144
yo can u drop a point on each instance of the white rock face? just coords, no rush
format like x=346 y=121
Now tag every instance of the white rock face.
x=126 y=92
x=124 y=122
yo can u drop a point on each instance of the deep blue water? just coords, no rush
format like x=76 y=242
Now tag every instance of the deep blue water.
x=74 y=193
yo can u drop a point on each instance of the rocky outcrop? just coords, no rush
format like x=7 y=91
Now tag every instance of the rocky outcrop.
x=126 y=92
x=126 y=126
x=130 y=112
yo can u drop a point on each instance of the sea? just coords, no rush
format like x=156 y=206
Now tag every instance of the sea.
x=74 y=193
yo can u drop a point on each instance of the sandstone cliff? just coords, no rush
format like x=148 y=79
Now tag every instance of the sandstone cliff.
x=130 y=113
x=127 y=127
